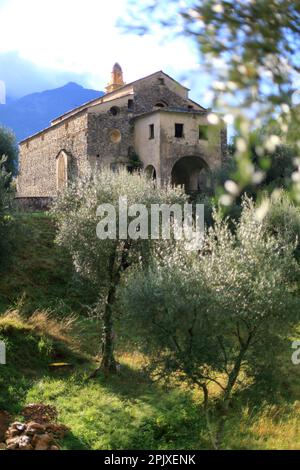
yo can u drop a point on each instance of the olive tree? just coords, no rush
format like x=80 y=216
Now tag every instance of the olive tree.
x=105 y=261
x=218 y=316
x=9 y=148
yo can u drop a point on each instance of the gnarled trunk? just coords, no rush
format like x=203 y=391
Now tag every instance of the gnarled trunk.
x=108 y=362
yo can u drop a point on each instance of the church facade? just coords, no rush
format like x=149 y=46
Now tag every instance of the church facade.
x=151 y=120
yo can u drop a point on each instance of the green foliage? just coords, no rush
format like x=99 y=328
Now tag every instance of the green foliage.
x=126 y=411
x=283 y=220
x=135 y=162
x=6 y=220
x=104 y=261
x=31 y=345
x=221 y=315
x=75 y=213
x=9 y=148
x=40 y=274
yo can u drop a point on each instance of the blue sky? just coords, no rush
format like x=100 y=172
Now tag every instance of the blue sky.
x=45 y=44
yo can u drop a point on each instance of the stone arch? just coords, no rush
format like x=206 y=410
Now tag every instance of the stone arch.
x=150 y=172
x=192 y=172
x=161 y=104
x=62 y=162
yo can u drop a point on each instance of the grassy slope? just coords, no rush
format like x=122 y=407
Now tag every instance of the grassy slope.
x=126 y=411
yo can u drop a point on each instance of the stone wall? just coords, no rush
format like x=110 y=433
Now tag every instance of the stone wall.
x=37 y=171
x=110 y=137
x=150 y=91
x=25 y=204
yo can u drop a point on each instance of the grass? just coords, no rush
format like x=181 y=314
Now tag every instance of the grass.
x=43 y=321
x=38 y=273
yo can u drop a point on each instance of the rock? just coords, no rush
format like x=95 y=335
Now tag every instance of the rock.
x=34 y=428
x=58 y=430
x=21 y=427
x=42 y=442
x=18 y=425
x=12 y=443
x=4 y=424
x=2 y=446
x=54 y=448
x=25 y=443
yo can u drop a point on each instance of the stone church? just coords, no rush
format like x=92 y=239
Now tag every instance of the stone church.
x=151 y=120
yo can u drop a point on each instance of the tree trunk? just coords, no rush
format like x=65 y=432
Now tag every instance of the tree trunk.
x=108 y=363
x=227 y=394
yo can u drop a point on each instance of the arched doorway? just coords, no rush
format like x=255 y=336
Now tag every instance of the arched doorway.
x=190 y=172
x=61 y=170
x=150 y=172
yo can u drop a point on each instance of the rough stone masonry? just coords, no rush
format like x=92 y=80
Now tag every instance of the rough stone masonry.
x=152 y=119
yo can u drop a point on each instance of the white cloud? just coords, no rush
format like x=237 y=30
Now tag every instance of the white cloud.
x=82 y=37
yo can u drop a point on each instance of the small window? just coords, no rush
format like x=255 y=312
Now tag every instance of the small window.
x=178 y=130
x=98 y=155
x=130 y=105
x=151 y=131
x=203 y=132
x=161 y=81
x=114 y=110
x=190 y=107
x=66 y=125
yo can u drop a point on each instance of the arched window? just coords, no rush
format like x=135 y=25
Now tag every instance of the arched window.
x=161 y=104
x=61 y=170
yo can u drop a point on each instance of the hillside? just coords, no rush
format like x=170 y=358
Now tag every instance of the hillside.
x=33 y=112
x=44 y=318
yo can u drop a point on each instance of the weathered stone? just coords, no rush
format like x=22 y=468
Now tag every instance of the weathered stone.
x=57 y=430
x=42 y=442
x=25 y=443
x=12 y=443
x=108 y=130
x=34 y=428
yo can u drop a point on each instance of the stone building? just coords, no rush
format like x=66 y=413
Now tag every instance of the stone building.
x=152 y=120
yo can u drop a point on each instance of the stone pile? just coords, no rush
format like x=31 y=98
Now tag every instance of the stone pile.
x=38 y=433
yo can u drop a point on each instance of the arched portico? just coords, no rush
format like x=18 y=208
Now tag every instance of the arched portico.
x=191 y=172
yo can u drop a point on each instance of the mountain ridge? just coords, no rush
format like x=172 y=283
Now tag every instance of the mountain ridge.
x=32 y=113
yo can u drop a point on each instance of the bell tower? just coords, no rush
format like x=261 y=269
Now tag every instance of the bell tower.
x=116 y=80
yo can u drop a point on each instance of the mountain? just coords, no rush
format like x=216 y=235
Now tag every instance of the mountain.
x=32 y=113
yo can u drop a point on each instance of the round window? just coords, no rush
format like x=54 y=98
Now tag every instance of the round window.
x=115 y=136
x=114 y=110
